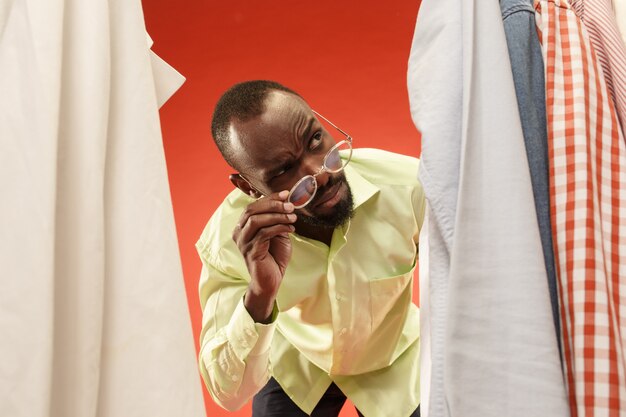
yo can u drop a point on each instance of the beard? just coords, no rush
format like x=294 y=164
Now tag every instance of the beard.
x=343 y=210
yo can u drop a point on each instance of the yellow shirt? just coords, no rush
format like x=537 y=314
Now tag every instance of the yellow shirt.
x=345 y=312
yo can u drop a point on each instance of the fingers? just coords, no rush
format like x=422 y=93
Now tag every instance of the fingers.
x=260 y=218
x=260 y=225
x=273 y=203
x=270 y=232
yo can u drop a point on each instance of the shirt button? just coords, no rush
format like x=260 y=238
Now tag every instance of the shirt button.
x=235 y=378
x=338 y=297
x=343 y=331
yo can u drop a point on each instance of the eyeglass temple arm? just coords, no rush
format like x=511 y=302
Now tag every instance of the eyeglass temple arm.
x=332 y=124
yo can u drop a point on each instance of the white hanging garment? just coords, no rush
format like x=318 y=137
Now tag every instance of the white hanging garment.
x=93 y=310
x=166 y=79
x=493 y=350
x=435 y=83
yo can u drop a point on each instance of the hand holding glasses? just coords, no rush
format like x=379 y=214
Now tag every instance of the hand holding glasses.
x=264 y=227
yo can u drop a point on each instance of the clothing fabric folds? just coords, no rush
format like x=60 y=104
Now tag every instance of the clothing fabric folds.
x=588 y=185
x=93 y=312
x=524 y=48
x=493 y=349
x=610 y=52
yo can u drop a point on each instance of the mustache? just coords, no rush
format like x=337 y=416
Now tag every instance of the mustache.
x=332 y=182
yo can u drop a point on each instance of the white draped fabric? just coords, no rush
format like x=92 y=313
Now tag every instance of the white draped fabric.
x=490 y=329
x=93 y=313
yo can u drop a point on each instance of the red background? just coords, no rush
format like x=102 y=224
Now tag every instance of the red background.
x=347 y=58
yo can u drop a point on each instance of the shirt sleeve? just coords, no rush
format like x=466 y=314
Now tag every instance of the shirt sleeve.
x=419 y=207
x=234 y=350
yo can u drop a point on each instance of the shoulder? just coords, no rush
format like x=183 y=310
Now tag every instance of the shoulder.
x=396 y=178
x=217 y=234
x=385 y=168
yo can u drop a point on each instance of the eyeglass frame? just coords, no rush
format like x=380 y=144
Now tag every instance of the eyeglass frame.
x=323 y=168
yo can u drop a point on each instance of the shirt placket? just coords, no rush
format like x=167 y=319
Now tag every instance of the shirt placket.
x=341 y=290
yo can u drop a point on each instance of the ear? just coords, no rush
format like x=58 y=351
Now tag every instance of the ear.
x=240 y=182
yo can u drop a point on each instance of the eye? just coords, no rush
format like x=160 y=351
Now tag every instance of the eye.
x=282 y=171
x=315 y=140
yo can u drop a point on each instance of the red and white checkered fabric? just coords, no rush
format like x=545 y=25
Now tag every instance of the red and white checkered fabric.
x=588 y=205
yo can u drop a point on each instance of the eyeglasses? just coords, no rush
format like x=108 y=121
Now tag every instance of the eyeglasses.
x=303 y=192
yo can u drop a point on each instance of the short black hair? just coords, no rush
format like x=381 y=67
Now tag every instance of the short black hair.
x=242 y=102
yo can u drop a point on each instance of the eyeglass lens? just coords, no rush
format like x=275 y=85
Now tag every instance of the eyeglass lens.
x=304 y=191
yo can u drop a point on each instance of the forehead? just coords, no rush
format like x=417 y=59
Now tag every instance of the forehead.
x=275 y=135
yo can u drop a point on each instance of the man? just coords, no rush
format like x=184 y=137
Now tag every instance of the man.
x=308 y=265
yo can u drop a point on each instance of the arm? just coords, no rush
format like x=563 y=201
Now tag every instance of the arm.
x=262 y=236
x=234 y=352
x=238 y=315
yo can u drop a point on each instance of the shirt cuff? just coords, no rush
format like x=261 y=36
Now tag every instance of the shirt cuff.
x=246 y=337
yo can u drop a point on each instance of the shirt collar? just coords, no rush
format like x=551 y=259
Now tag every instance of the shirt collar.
x=362 y=189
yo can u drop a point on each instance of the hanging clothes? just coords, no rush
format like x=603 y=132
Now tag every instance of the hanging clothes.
x=587 y=192
x=492 y=340
x=599 y=21
x=524 y=49
x=619 y=8
x=93 y=311
x=435 y=83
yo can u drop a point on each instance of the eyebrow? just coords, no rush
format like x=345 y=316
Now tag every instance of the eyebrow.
x=269 y=174
x=307 y=129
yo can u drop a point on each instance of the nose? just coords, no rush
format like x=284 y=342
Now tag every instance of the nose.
x=314 y=166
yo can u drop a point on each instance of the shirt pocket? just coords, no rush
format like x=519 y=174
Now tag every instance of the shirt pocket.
x=390 y=297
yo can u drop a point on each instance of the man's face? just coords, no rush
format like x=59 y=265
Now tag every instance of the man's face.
x=282 y=145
